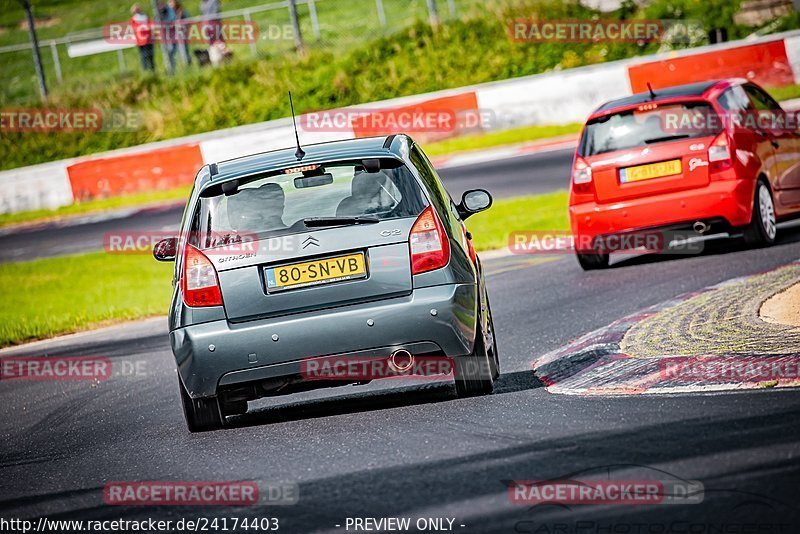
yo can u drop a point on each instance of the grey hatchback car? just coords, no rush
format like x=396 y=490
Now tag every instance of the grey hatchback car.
x=351 y=251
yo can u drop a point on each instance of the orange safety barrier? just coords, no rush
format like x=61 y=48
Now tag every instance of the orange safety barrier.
x=159 y=169
x=763 y=63
x=438 y=118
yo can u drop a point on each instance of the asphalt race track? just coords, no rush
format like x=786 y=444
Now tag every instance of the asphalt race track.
x=523 y=175
x=414 y=450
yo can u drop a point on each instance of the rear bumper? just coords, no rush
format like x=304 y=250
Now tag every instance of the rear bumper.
x=731 y=200
x=247 y=352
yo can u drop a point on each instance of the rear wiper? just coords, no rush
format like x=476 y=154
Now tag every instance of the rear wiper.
x=313 y=222
x=665 y=138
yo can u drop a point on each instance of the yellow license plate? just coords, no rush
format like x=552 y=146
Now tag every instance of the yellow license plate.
x=316 y=272
x=651 y=170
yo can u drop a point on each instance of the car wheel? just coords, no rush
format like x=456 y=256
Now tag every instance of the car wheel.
x=592 y=261
x=201 y=414
x=494 y=357
x=763 y=227
x=473 y=373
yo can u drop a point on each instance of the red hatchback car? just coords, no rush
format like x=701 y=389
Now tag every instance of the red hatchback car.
x=704 y=159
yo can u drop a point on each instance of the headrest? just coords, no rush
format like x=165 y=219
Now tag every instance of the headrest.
x=256 y=203
x=366 y=185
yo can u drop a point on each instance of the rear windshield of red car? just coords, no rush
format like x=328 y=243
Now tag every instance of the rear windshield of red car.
x=647 y=125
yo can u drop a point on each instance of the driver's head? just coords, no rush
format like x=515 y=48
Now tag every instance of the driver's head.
x=257 y=208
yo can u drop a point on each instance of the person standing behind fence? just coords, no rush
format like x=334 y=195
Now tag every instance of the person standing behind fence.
x=211 y=25
x=144 y=37
x=166 y=17
x=181 y=29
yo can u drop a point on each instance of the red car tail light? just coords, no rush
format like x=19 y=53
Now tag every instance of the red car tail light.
x=719 y=154
x=582 y=183
x=428 y=243
x=199 y=281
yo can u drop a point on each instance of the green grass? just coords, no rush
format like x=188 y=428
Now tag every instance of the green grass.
x=92 y=206
x=43 y=298
x=490 y=229
x=504 y=137
x=785 y=93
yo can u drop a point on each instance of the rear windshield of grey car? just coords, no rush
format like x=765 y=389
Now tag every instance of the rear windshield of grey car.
x=277 y=203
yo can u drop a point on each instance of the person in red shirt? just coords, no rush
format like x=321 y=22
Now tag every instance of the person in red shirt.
x=144 y=37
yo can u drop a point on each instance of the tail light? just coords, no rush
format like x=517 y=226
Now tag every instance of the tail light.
x=719 y=154
x=199 y=281
x=581 y=176
x=430 y=248
x=582 y=183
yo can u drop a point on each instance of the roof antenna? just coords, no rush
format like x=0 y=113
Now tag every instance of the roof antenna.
x=299 y=153
x=652 y=93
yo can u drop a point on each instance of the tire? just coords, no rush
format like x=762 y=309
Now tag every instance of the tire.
x=762 y=228
x=474 y=375
x=201 y=414
x=494 y=357
x=592 y=261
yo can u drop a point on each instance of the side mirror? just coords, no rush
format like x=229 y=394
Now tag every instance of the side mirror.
x=166 y=249
x=474 y=201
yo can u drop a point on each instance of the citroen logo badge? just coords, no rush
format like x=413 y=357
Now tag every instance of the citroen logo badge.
x=310 y=240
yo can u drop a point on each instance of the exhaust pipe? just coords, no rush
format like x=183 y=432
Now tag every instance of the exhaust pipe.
x=700 y=227
x=401 y=361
